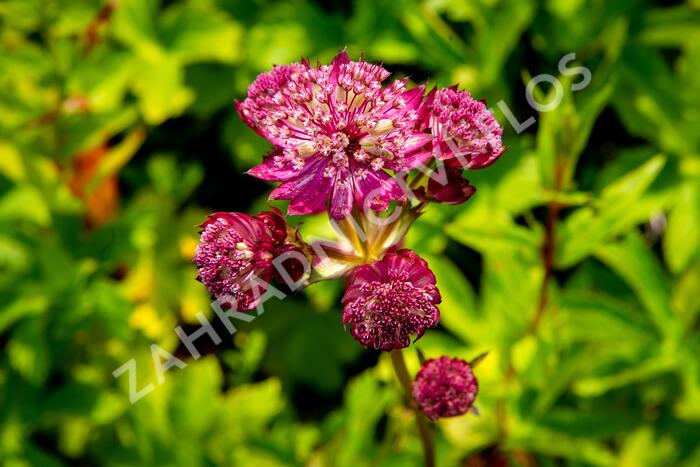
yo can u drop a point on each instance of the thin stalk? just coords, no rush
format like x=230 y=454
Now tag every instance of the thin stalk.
x=548 y=262
x=548 y=249
x=426 y=434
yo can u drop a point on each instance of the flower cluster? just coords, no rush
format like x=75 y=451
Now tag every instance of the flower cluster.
x=373 y=156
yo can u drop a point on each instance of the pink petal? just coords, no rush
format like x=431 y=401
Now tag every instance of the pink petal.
x=358 y=276
x=341 y=199
x=380 y=187
x=341 y=58
x=313 y=198
x=274 y=168
x=308 y=191
x=417 y=159
x=312 y=171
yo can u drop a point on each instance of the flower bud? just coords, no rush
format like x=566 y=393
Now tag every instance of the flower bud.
x=450 y=188
x=445 y=387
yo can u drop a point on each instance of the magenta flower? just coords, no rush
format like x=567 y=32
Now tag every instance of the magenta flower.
x=235 y=254
x=336 y=132
x=389 y=301
x=447 y=186
x=464 y=130
x=445 y=387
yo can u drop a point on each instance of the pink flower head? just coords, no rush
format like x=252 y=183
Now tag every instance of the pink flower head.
x=389 y=301
x=445 y=387
x=235 y=254
x=336 y=131
x=464 y=130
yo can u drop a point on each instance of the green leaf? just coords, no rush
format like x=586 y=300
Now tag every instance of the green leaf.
x=116 y=158
x=426 y=235
x=617 y=209
x=14 y=258
x=682 y=239
x=366 y=400
x=597 y=422
x=670 y=27
x=296 y=357
x=520 y=188
x=685 y=297
x=11 y=164
x=210 y=96
x=194 y=32
x=553 y=443
x=268 y=44
x=600 y=320
x=500 y=31
x=688 y=407
x=632 y=184
x=29 y=353
x=435 y=36
x=25 y=203
x=82 y=400
x=633 y=260
x=248 y=409
x=21 y=308
x=103 y=78
x=173 y=179
x=160 y=88
x=458 y=311
x=647 y=101
x=487 y=229
x=629 y=375
x=195 y=397
x=641 y=448
x=324 y=296
x=509 y=304
x=134 y=23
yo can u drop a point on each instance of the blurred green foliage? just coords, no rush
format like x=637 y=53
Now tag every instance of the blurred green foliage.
x=577 y=263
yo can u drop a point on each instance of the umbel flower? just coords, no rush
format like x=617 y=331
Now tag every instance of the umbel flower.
x=346 y=143
x=464 y=131
x=389 y=301
x=336 y=132
x=445 y=387
x=235 y=255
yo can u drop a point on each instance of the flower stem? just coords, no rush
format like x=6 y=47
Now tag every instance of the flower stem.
x=426 y=434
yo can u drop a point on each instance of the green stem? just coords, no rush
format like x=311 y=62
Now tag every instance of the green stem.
x=426 y=434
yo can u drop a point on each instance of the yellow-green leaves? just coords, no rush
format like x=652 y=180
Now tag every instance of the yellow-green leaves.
x=620 y=206
x=186 y=33
x=682 y=239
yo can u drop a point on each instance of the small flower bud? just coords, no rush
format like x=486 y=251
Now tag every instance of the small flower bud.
x=451 y=188
x=445 y=387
